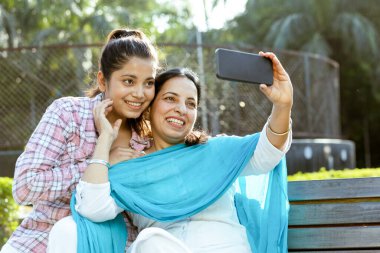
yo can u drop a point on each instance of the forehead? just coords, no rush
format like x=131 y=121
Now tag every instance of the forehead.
x=182 y=86
x=138 y=66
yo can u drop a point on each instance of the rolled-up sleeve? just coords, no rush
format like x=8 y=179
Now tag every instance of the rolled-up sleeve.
x=266 y=156
x=94 y=201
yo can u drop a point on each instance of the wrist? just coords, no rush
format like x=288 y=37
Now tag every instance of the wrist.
x=105 y=140
x=276 y=132
x=99 y=161
x=282 y=107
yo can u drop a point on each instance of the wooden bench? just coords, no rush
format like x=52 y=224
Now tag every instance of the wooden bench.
x=341 y=215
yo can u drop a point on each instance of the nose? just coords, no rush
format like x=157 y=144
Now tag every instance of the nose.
x=138 y=91
x=181 y=108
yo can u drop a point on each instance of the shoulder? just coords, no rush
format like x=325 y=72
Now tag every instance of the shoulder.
x=73 y=107
x=70 y=104
x=221 y=138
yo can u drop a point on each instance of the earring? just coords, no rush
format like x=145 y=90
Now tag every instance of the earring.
x=102 y=96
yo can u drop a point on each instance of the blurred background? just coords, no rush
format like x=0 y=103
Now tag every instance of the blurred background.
x=330 y=48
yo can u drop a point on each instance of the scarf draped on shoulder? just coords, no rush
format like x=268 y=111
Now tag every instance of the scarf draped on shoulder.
x=180 y=181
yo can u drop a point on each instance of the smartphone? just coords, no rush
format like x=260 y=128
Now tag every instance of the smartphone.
x=243 y=67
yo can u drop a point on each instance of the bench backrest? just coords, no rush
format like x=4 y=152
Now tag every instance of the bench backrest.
x=333 y=215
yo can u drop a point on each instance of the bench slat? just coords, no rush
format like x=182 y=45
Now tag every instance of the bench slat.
x=339 y=251
x=334 y=238
x=334 y=189
x=330 y=213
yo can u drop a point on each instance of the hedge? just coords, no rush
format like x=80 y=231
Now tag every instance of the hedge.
x=335 y=174
x=8 y=210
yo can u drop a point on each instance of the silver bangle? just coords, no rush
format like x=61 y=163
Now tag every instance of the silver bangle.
x=99 y=161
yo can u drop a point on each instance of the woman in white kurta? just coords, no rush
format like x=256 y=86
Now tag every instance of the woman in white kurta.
x=215 y=229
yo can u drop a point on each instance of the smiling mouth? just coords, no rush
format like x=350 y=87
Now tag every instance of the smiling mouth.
x=134 y=104
x=176 y=121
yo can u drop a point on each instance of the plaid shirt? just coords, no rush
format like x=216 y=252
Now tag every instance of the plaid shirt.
x=50 y=167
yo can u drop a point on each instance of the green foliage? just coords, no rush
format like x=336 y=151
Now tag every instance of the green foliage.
x=346 y=31
x=8 y=210
x=312 y=26
x=25 y=22
x=335 y=174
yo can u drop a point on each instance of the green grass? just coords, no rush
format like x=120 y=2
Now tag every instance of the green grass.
x=335 y=174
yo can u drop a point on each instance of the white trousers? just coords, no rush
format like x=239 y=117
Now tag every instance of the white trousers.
x=157 y=240
x=63 y=239
x=63 y=236
x=8 y=249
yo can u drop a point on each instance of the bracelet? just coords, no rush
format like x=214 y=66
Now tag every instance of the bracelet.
x=279 y=134
x=99 y=161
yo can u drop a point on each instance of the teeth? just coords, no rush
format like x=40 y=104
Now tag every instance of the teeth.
x=133 y=103
x=176 y=121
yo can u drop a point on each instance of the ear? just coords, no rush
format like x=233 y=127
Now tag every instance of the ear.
x=101 y=81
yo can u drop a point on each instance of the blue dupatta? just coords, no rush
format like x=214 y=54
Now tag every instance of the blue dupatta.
x=180 y=181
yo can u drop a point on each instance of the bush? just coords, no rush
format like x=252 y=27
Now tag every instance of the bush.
x=8 y=210
x=335 y=174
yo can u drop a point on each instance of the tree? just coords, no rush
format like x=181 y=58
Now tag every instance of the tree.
x=39 y=22
x=347 y=31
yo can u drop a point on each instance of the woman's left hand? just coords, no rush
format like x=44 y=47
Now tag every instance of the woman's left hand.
x=280 y=93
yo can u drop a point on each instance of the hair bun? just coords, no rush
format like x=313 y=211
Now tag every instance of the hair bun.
x=124 y=33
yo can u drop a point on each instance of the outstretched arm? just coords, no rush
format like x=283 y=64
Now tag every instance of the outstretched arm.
x=281 y=96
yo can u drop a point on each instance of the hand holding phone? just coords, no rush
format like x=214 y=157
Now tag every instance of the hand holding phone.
x=243 y=67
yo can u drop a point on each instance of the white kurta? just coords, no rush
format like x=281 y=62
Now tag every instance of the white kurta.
x=215 y=229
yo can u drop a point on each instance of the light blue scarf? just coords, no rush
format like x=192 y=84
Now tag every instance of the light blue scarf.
x=180 y=181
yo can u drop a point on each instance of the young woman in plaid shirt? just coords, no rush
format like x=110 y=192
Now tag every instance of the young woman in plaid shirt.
x=57 y=153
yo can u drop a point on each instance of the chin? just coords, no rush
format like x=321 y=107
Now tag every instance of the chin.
x=132 y=115
x=177 y=138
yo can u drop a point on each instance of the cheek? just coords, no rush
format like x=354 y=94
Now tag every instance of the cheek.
x=113 y=90
x=149 y=94
x=193 y=117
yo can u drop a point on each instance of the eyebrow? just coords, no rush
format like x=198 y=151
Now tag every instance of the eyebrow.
x=175 y=94
x=128 y=75
x=135 y=77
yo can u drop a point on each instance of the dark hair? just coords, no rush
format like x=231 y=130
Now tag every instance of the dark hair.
x=195 y=136
x=121 y=45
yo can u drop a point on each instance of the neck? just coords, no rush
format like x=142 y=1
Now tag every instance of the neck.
x=124 y=134
x=112 y=118
x=123 y=138
x=159 y=144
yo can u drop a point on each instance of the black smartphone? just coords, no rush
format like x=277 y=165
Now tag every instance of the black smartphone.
x=243 y=67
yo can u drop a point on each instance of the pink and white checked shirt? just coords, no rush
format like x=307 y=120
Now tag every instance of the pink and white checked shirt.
x=50 y=167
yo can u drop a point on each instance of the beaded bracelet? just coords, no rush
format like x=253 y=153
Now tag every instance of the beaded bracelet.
x=99 y=161
x=279 y=134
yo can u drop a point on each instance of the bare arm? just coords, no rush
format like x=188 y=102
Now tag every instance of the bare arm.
x=281 y=95
x=98 y=173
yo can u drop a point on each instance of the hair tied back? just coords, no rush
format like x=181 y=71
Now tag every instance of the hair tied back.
x=124 y=33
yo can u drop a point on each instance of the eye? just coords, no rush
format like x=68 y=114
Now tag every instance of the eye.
x=169 y=99
x=150 y=83
x=192 y=105
x=128 y=82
